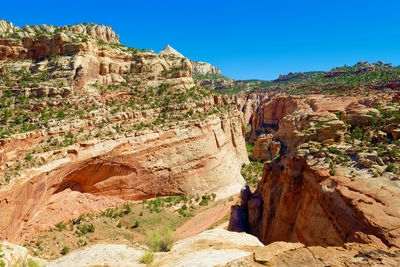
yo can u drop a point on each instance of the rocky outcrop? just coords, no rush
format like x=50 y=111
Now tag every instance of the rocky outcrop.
x=79 y=56
x=13 y=255
x=99 y=32
x=291 y=121
x=307 y=195
x=199 y=68
x=265 y=148
x=103 y=255
x=204 y=68
x=169 y=50
x=296 y=254
x=297 y=202
x=210 y=248
x=198 y=159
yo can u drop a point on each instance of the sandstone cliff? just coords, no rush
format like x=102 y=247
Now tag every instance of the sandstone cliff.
x=68 y=61
x=323 y=184
x=100 y=32
x=199 y=68
x=204 y=68
x=89 y=124
x=203 y=158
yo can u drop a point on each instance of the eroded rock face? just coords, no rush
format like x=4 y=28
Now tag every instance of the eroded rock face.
x=295 y=254
x=302 y=197
x=265 y=148
x=204 y=158
x=100 y=32
x=291 y=121
x=103 y=255
x=199 y=68
x=210 y=248
x=57 y=61
x=250 y=104
x=204 y=68
x=298 y=203
x=85 y=62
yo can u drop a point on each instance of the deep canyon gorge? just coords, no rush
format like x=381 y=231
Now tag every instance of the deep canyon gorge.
x=101 y=144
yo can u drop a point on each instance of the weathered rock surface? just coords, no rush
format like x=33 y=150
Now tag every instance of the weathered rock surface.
x=200 y=159
x=13 y=255
x=204 y=68
x=85 y=62
x=292 y=121
x=265 y=148
x=199 y=68
x=222 y=248
x=80 y=56
x=210 y=248
x=250 y=104
x=295 y=254
x=102 y=255
x=169 y=50
x=299 y=198
x=100 y=32
x=298 y=203
x=186 y=141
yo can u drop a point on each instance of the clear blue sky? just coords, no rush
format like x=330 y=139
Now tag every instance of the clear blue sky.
x=245 y=39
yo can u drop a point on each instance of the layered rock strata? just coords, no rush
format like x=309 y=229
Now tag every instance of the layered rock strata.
x=319 y=189
x=203 y=158
x=90 y=124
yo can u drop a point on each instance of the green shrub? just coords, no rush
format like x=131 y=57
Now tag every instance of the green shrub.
x=332 y=172
x=249 y=148
x=394 y=152
x=32 y=263
x=160 y=240
x=332 y=149
x=391 y=168
x=147 y=258
x=64 y=250
x=28 y=157
x=61 y=226
x=85 y=228
x=2 y=263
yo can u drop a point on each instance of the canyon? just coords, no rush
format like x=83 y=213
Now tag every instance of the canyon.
x=300 y=198
x=92 y=129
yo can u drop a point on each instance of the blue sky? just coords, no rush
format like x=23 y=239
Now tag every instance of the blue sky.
x=245 y=39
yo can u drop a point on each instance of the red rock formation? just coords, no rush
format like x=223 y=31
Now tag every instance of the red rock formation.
x=130 y=168
x=86 y=62
x=298 y=203
x=298 y=200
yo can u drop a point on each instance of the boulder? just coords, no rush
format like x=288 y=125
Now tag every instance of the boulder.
x=210 y=248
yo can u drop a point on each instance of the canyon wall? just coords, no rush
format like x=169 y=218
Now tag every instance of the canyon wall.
x=296 y=202
x=300 y=198
x=78 y=56
x=204 y=68
x=104 y=124
x=202 y=159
